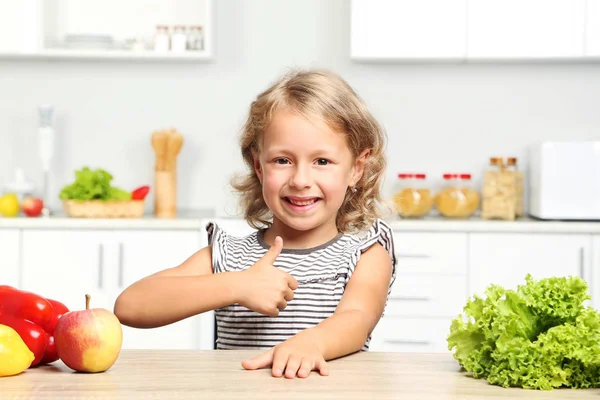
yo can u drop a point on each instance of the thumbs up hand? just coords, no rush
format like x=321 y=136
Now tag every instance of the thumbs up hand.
x=265 y=288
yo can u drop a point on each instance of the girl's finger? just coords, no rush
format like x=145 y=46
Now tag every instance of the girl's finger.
x=322 y=367
x=292 y=367
x=280 y=359
x=305 y=368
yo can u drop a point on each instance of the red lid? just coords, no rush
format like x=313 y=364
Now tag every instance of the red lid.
x=420 y=176
x=465 y=176
x=450 y=176
x=404 y=175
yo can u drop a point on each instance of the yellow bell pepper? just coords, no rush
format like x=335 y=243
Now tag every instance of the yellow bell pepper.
x=15 y=356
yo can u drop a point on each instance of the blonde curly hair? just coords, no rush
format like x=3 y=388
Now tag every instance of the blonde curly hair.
x=322 y=94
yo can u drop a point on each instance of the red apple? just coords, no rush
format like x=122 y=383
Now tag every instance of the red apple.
x=88 y=340
x=32 y=206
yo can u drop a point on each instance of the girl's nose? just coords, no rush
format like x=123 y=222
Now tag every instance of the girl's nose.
x=301 y=177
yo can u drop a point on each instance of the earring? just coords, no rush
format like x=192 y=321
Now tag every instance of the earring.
x=354 y=189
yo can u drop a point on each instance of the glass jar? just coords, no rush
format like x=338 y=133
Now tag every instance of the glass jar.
x=179 y=39
x=162 y=38
x=195 y=40
x=457 y=199
x=499 y=191
x=512 y=166
x=414 y=200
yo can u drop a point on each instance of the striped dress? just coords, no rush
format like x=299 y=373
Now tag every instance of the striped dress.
x=322 y=273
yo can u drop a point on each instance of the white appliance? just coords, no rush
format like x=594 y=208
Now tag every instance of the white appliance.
x=564 y=180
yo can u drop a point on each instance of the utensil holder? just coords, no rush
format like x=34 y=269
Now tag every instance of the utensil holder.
x=165 y=194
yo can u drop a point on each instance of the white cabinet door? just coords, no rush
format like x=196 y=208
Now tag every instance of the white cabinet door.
x=525 y=28
x=595 y=271
x=506 y=258
x=592 y=32
x=10 y=241
x=65 y=265
x=142 y=253
x=408 y=29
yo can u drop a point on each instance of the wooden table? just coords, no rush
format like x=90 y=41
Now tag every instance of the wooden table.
x=217 y=374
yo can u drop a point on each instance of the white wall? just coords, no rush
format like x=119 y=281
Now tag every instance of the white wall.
x=439 y=117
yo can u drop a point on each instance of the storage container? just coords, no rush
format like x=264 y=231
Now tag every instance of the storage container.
x=414 y=199
x=458 y=199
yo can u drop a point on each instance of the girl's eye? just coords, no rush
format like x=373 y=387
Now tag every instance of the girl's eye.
x=322 y=161
x=281 y=161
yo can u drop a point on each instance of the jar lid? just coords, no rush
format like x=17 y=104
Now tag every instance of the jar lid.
x=465 y=176
x=450 y=176
x=511 y=160
x=420 y=176
x=495 y=160
x=405 y=175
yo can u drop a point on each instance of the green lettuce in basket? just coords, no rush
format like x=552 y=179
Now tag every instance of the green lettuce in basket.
x=93 y=185
x=539 y=336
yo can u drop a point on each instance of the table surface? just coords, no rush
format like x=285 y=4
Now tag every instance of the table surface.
x=218 y=374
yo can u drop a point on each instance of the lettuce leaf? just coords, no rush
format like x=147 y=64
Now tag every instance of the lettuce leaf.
x=539 y=336
x=93 y=185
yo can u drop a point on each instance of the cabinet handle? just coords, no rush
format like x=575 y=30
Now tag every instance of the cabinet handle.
x=581 y=263
x=120 y=265
x=400 y=255
x=410 y=342
x=100 y=266
x=408 y=298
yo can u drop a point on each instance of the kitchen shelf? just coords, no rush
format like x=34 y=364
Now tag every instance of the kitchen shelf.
x=38 y=29
x=149 y=55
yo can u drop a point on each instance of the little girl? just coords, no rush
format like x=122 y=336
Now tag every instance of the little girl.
x=311 y=283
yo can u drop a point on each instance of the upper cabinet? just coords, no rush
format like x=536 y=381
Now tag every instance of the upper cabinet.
x=473 y=30
x=408 y=29
x=592 y=23
x=176 y=30
x=525 y=28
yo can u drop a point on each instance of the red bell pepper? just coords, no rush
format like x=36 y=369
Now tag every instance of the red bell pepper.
x=140 y=193
x=34 y=318
x=59 y=309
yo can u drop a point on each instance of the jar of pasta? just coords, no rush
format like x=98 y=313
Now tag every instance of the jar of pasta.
x=511 y=162
x=499 y=191
x=457 y=199
x=414 y=198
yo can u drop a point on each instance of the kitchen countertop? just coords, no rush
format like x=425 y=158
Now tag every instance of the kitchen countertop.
x=194 y=220
x=217 y=374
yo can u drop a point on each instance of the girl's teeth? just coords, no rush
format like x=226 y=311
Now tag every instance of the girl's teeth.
x=302 y=203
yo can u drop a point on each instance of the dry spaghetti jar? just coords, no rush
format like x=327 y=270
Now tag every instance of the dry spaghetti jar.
x=414 y=199
x=457 y=199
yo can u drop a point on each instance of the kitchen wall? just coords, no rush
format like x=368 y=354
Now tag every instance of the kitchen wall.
x=439 y=116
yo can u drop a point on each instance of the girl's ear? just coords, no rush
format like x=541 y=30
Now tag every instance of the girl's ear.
x=359 y=166
x=257 y=167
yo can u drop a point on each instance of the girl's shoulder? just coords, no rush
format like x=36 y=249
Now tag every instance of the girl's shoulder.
x=379 y=232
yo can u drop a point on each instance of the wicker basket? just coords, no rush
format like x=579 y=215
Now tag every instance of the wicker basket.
x=104 y=209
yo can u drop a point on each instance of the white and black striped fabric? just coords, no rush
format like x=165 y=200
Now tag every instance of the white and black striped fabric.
x=322 y=273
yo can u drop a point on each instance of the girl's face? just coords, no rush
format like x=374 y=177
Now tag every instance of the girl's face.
x=305 y=169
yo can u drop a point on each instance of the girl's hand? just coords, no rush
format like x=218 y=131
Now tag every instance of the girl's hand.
x=264 y=288
x=298 y=355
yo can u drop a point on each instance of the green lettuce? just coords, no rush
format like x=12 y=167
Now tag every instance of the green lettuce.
x=93 y=185
x=539 y=336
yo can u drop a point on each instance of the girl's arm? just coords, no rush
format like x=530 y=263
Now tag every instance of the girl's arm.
x=360 y=308
x=176 y=293
x=345 y=332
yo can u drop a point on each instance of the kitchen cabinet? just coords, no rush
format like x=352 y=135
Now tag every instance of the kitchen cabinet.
x=592 y=31
x=595 y=271
x=66 y=264
x=77 y=29
x=408 y=29
x=506 y=258
x=10 y=247
x=525 y=29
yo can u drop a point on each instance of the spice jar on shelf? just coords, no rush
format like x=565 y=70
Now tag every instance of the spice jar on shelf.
x=195 y=39
x=414 y=199
x=499 y=191
x=162 y=38
x=179 y=39
x=512 y=165
x=457 y=199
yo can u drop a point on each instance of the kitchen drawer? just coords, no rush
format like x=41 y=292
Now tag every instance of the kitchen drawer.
x=410 y=335
x=431 y=253
x=432 y=296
